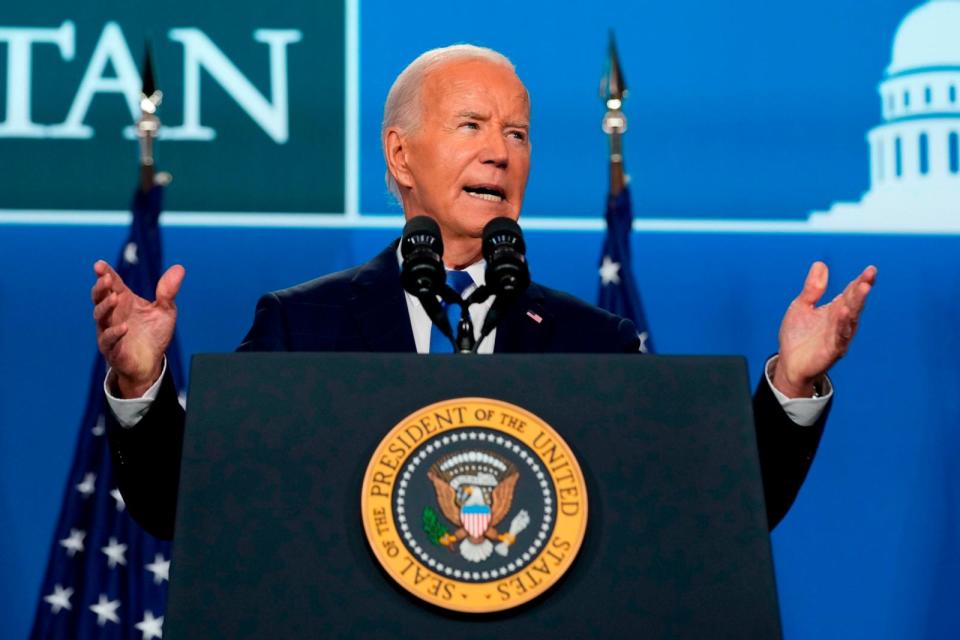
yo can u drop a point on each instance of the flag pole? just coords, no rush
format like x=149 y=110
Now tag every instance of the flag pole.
x=106 y=577
x=618 y=291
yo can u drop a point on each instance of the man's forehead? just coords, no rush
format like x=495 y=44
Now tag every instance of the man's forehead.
x=466 y=86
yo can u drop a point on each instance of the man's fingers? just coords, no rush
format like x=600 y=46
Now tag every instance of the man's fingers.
x=856 y=292
x=169 y=285
x=848 y=325
x=110 y=337
x=103 y=268
x=845 y=322
x=100 y=289
x=107 y=280
x=105 y=286
x=855 y=295
x=101 y=312
x=849 y=328
x=815 y=284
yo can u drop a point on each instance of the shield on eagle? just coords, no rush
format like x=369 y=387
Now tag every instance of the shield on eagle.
x=475 y=519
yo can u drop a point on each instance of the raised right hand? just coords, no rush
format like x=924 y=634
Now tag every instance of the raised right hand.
x=133 y=334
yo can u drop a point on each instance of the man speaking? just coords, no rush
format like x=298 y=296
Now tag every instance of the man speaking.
x=456 y=139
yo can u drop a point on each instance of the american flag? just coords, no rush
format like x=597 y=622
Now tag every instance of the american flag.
x=618 y=291
x=106 y=577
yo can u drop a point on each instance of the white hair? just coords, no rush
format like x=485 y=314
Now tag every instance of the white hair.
x=403 y=107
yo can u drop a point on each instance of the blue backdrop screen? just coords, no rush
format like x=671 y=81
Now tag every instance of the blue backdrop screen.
x=762 y=136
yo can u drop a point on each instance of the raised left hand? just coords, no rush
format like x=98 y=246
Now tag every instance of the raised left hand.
x=813 y=338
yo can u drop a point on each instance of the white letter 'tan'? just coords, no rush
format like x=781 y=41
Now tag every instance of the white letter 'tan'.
x=199 y=52
x=111 y=48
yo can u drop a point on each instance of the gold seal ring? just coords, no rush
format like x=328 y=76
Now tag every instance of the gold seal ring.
x=474 y=505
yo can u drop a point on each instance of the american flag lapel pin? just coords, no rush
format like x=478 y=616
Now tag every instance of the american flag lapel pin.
x=535 y=317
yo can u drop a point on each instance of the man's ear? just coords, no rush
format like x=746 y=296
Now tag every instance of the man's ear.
x=395 y=152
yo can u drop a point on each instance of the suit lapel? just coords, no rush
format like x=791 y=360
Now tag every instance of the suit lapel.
x=379 y=306
x=527 y=326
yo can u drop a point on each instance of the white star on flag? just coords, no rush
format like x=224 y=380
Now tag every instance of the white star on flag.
x=106 y=610
x=115 y=494
x=609 y=271
x=73 y=543
x=130 y=253
x=100 y=428
x=88 y=485
x=160 y=569
x=114 y=552
x=150 y=626
x=59 y=599
x=642 y=336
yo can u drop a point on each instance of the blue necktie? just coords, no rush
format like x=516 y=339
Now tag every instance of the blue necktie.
x=459 y=281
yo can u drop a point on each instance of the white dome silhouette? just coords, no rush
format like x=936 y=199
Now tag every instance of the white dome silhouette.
x=928 y=37
x=915 y=151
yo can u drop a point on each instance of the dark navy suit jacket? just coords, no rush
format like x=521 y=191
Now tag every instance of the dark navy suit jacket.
x=346 y=311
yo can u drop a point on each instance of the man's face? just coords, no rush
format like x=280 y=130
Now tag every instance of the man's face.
x=469 y=159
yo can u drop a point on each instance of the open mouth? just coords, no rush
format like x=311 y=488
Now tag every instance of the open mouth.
x=488 y=192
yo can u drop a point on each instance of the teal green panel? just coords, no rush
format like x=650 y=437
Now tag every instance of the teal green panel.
x=248 y=165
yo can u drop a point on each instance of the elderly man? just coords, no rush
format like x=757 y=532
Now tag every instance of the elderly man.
x=456 y=142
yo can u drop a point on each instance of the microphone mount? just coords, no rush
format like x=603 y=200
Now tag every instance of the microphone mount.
x=423 y=275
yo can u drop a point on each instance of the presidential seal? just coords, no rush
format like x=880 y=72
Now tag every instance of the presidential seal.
x=474 y=505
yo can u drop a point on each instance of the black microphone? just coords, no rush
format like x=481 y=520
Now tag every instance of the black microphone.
x=422 y=273
x=507 y=274
x=505 y=252
x=421 y=247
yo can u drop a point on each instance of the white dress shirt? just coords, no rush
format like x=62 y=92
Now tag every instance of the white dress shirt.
x=422 y=325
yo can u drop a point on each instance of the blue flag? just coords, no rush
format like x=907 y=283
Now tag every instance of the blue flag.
x=618 y=291
x=106 y=577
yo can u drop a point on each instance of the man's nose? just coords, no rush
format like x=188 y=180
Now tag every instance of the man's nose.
x=495 y=150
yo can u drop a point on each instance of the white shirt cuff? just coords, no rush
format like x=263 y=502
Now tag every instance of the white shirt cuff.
x=803 y=411
x=129 y=411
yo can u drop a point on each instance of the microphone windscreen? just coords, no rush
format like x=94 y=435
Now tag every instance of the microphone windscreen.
x=502 y=231
x=421 y=231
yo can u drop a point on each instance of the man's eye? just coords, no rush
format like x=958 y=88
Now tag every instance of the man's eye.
x=518 y=135
x=469 y=125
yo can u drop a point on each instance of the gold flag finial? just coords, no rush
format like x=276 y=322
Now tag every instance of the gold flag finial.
x=613 y=91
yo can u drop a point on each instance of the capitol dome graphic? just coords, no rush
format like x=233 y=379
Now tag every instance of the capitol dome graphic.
x=915 y=151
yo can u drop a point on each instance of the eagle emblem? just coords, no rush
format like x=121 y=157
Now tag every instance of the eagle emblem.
x=475 y=492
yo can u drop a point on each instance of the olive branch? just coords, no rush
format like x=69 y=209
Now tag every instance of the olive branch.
x=433 y=527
